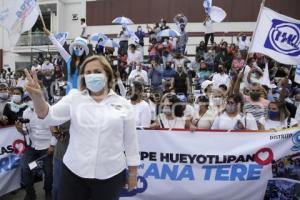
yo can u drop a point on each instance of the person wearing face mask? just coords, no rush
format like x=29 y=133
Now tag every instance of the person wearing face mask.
x=166 y=48
x=155 y=76
x=123 y=36
x=238 y=62
x=4 y=99
x=78 y=52
x=138 y=74
x=232 y=118
x=171 y=114
x=103 y=145
x=182 y=40
x=48 y=78
x=180 y=83
x=278 y=117
x=15 y=108
x=203 y=117
x=221 y=78
x=134 y=55
x=141 y=108
x=140 y=34
x=21 y=81
x=254 y=103
x=242 y=42
x=209 y=31
x=40 y=143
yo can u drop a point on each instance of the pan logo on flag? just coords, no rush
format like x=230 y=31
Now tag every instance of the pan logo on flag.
x=284 y=38
x=296 y=141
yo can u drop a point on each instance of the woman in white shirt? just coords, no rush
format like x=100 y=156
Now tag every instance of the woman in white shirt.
x=172 y=114
x=278 y=117
x=103 y=139
x=203 y=117
x=232 y=118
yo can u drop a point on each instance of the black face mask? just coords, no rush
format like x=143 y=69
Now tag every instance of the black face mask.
x=134 y=97
x=168 y=66
x=255 y=96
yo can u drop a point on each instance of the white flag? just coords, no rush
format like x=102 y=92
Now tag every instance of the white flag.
x=61 y=37
x=297 y=74
x=18 y=16
x=216 y=14
x=278 y=37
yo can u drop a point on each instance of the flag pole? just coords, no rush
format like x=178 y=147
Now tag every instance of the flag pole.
x=253 y=34
x=42 y=19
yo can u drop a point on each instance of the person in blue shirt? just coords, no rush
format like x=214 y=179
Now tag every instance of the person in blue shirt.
x=140 y=34
x=169 y=72
x=78 y=52
x=155 y=76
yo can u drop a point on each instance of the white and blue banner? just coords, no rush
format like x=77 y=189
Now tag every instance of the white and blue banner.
x=214 y=165
x=61 y=37
x=18 y=16
x=184 y=165
x=11 y=147
x=278 y=37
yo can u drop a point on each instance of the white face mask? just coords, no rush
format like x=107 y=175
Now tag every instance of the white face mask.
x=4 y=95
x=95 y=82
x=17 y=98
x=217 y=101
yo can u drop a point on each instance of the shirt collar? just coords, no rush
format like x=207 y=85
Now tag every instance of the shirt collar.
x=110 y=93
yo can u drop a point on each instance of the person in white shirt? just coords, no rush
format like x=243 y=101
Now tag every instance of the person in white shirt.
x=103 y=138
x=47 y=67
x=278 y=117
x=134 y=55
x=209 y=31
x=203 y=118
x=232 y=118
x=21 y=81
x=171 y=115
x=220 y=78
x=242 y=42
x=83 y=29
x=141 y=108
x=138 y=74
x=41 y=144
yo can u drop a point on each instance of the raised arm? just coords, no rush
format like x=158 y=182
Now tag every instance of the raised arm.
x=66 y=56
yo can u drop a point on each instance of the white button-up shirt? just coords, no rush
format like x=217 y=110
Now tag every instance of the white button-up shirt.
x=39 y=134
x=99 y=134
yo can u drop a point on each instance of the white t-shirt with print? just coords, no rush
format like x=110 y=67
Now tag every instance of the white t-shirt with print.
x=271 y=124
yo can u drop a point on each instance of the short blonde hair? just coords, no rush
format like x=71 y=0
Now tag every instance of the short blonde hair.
x=106 y=67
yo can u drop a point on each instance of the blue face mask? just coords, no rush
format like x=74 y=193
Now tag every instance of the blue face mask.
x=78 y=52
x=273 y=115
x=95 y=82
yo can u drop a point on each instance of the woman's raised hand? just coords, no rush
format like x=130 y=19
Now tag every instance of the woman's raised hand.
x=32 y=84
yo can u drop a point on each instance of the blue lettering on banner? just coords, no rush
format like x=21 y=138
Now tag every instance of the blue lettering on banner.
x=284 y=38
x=9 y=163
x=235 y=172
x=141 y=187
x=173 y=172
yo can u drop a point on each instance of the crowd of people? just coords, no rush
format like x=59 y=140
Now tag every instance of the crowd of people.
x=223 y=88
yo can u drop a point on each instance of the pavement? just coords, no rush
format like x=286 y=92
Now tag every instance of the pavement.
x=20 y=194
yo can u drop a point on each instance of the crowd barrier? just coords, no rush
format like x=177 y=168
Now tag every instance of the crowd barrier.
x=180 y=164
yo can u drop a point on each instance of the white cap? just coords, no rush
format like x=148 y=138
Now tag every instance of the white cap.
x=205 y=84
